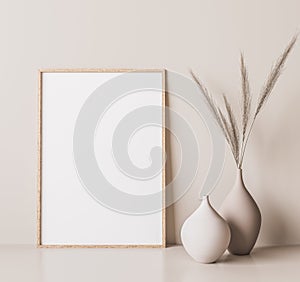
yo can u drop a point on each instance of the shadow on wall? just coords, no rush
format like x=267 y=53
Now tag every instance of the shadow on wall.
x=170 y=216
x=272 y=173
x=272 y=169
x=278 y=149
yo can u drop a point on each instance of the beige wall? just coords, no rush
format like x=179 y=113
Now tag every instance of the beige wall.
x=206 y=35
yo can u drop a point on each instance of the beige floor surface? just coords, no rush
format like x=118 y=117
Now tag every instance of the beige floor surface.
x=27 y=263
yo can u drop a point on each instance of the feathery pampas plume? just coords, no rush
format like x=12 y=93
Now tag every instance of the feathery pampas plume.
x=237 y=137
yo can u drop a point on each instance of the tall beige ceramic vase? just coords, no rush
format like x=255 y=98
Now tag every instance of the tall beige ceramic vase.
x=243 y=216
x=205 y=234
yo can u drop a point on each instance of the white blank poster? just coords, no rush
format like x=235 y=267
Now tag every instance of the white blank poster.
x=100 y=145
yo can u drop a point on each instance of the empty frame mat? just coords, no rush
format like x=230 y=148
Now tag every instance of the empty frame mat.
x=101 y=164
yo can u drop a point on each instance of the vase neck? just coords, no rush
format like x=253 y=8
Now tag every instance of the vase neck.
x=205 y=200
x=206 y=205
x=239 y=178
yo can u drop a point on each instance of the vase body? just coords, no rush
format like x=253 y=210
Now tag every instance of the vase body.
x=243 y=216
x=205 y=234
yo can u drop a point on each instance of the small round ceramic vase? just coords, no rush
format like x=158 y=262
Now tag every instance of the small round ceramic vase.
x=205 y=234
x=243 y=216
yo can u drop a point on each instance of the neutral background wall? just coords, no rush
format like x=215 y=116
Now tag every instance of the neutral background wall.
x=206 y=35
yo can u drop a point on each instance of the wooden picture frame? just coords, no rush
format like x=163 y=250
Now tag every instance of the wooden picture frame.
x=40 y=211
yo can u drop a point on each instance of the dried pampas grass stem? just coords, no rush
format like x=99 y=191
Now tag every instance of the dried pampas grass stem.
x=234 y=130
x=274 y=75
x=237 y=137
x=246 y=96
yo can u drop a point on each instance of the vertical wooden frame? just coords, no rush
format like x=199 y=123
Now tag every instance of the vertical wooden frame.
x=40 y=157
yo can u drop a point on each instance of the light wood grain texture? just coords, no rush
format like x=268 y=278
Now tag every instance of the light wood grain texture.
x=164 y=164
x=39 y=165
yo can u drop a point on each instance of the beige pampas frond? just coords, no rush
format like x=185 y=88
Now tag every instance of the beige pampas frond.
x=228 y=134
x=274 y=75
x=246 y=96
x=230 y=138
x=234 y=130
x=214 y=108
x=237 y=139
x=267 y=89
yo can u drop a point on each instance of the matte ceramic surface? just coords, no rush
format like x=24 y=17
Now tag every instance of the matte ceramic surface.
x=205 y=234
x=243 y=216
